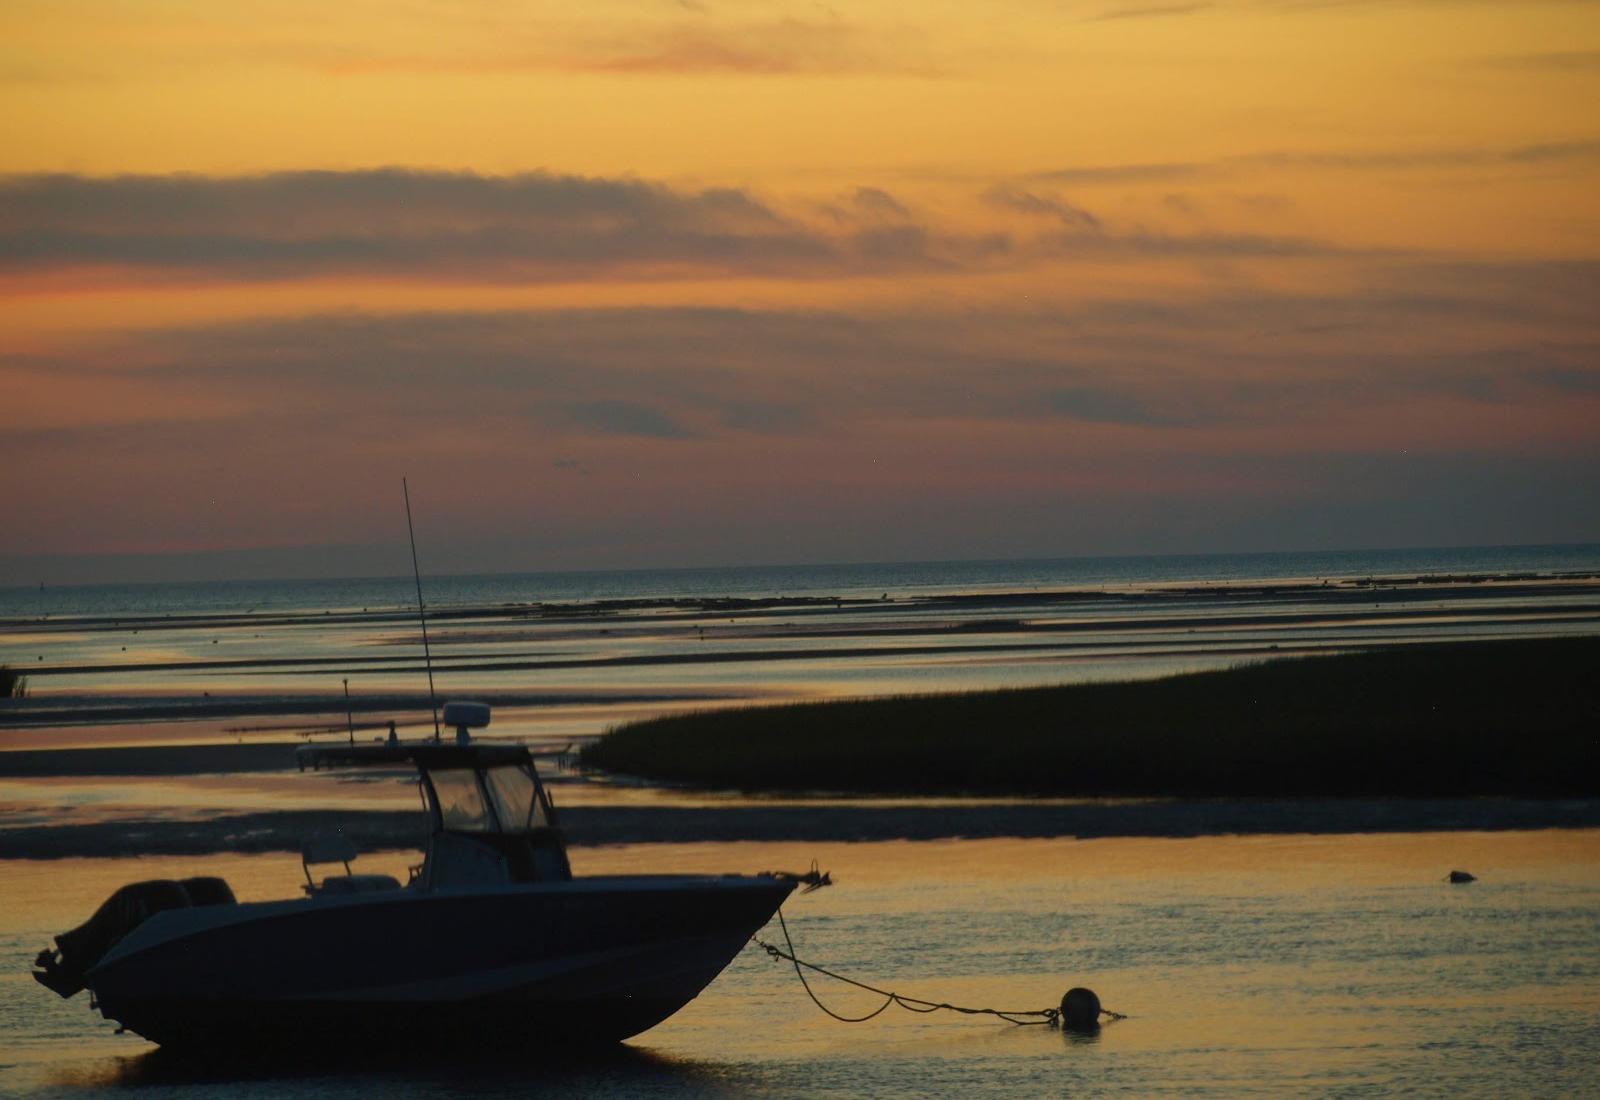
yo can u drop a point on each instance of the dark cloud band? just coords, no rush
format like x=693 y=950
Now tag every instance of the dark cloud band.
x=532 y=227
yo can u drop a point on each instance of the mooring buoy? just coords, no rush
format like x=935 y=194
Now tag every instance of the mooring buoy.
x=1080 y=1010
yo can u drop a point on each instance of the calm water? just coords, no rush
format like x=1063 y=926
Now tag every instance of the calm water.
x=1270 y=966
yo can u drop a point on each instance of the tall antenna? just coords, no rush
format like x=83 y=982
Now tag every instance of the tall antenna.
x=427 y=657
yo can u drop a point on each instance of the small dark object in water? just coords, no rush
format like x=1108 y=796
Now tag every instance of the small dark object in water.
x=1080 y=1010
x=1462 y=876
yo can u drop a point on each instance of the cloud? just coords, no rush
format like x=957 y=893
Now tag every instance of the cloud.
x=307 y=204
x=1539 y=153
x=693 y=42
x=1121 y=173
x=1564 y=61
x=1164 y=246
x=1029 y=202
x=612 y=417
x=1150 y=11
x=1102 y=406
x=722 y=425
x=1414 y=333
x=878 y=205
x=1553 y=295
x=778 y=47
x=527 y=228
x=393 y=221
x=1357 y=160
x=1315 y=6
x=866 y=208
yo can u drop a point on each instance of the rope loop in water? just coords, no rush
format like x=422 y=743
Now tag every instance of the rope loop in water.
x=1028 y=1017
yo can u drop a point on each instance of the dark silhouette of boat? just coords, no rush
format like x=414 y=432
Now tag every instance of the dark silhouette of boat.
x=493 y=939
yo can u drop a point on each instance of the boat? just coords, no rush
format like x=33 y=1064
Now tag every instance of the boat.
x=493 y=939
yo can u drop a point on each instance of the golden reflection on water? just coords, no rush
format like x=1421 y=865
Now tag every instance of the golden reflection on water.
x=40 y=893
x=80 y=800
x=204 y=731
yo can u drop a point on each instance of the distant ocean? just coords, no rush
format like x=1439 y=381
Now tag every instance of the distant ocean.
x=895 y=579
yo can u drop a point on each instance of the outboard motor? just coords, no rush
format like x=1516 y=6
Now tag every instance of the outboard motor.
x=66 y=969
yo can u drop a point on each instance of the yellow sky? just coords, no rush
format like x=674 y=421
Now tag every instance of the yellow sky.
x=778 y=94
x=796 y=101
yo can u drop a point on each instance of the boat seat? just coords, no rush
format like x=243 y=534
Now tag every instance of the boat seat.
x=336 y=848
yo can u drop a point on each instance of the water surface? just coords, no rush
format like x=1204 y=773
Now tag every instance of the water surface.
x=1279 y=965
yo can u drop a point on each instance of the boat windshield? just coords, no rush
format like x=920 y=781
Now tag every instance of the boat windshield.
x=516 y=798
x=461 y=807
x=508 y=790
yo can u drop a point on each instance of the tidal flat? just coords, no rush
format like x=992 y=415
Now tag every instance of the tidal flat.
x=559 y=673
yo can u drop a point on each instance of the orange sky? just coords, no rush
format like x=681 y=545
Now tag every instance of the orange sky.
x=634 y=283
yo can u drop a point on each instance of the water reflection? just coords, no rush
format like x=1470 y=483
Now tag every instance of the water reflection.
x=1248 y=965
x=406 y=1070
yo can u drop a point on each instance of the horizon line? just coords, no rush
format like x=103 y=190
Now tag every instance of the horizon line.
x=9 y=561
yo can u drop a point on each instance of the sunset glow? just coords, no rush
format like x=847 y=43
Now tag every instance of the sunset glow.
x=638 y=283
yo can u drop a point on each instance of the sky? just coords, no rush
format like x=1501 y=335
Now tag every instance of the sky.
x=639 y=283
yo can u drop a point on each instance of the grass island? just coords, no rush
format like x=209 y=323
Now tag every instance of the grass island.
x=1507 y=717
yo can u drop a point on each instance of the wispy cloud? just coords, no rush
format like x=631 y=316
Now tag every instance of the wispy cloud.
x=612 y=417
x=1352 y=160
x=1031 y=202
x=694 y=43
x=1121 y=173
x=701 y=419
x=1147 y=11
x=780 y=47
x=1570 y=61
x=679 y=374
x=1536 y=153
x=1149 y=245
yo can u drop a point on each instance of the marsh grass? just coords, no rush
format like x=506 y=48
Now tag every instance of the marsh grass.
x=1476 y=718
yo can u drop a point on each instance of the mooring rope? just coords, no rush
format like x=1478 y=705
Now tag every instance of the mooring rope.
x=1047 y=1016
